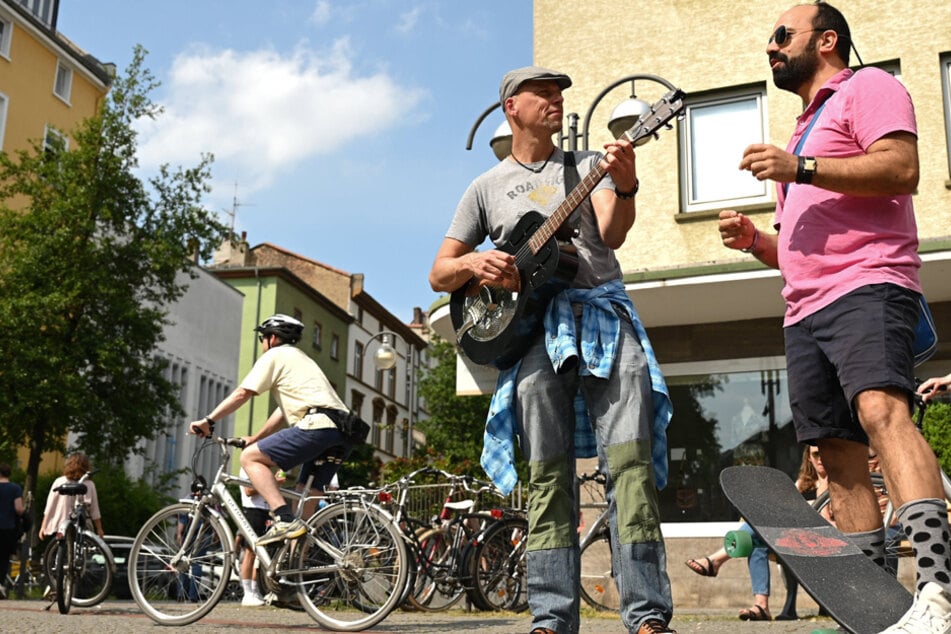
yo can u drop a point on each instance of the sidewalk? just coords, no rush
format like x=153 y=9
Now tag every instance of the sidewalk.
x=124 y=617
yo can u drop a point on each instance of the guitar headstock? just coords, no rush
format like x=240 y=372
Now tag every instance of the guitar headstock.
x=661 y=112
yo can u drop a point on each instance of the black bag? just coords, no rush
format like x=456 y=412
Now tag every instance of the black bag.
x=24 y=523
x=350 y=425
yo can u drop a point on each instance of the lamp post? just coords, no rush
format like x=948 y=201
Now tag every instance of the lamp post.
x=386 y=358
x=623 y=117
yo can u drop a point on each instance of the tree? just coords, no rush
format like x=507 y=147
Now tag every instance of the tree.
x=92 y=255
x=456 y=424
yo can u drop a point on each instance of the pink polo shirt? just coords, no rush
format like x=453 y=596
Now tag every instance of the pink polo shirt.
x=831 y=244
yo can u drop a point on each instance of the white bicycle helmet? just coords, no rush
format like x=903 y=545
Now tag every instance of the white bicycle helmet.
x=284 y=326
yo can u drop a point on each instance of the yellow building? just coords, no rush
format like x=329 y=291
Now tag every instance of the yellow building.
x=714 y=315
x=47 y=84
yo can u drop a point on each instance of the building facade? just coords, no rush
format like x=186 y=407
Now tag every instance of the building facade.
x=715 y=315
x=47 y=83
x=345 y=327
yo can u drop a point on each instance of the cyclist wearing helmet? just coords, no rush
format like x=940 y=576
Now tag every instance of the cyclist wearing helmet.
x=301 y=390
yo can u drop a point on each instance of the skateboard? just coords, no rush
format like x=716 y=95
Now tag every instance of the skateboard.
x=859 y=595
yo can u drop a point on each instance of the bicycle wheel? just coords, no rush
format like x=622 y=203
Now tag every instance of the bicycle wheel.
x=351 y=567
x=598 y=588
x=93 y=571
x=498 y=568
x=437 y=584
x=177 y=584
x=64 y=571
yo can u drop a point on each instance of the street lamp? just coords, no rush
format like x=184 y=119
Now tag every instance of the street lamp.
x=624 y=116
x=385 y=358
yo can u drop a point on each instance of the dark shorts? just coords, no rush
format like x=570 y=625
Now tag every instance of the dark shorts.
x=861 y=341
x=292 y=446
x=257 y=518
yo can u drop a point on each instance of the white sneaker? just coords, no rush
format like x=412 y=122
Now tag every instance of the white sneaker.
x=929 y=614
x=252 y=601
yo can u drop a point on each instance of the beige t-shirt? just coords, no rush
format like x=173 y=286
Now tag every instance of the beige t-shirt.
x=297 y=383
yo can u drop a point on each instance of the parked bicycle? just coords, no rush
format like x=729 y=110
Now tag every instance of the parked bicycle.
x=348 y=571
x=598 y=587
x=79 y=563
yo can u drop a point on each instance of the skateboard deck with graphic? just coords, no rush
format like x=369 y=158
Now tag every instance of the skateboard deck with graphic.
x=862 y=597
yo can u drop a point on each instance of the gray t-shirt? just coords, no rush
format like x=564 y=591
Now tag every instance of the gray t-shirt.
x=494 y=202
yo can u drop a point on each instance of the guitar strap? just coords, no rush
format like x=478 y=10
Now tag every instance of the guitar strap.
x=572 y=178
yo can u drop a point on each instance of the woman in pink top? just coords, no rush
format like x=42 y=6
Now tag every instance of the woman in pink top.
x=58 y=506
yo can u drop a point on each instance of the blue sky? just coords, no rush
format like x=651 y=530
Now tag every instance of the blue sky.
x=343 y=123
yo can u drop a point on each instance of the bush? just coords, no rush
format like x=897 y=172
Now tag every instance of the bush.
x=937 y=430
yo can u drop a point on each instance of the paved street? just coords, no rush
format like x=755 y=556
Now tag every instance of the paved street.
x=123 y=617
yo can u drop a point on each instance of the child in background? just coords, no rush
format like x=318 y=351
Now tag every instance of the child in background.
x=257 y=512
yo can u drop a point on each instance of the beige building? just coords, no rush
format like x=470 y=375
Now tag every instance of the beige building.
x=714 y=315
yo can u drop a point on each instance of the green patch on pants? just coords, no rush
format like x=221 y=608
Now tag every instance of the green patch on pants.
x=638 y=511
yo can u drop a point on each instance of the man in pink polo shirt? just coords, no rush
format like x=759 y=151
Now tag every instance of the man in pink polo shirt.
x=846 y=244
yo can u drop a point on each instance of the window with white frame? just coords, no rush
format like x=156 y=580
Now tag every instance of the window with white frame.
x=55 y=141
x=3 y=117
x=64 y=81
x=716 y=130
x=6 y=34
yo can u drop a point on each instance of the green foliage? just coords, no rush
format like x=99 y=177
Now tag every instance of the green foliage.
x=456 y=424
x=937 y=430
x=92 y=255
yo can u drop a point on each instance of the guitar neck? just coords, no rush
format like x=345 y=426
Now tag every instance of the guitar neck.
x=548 y=229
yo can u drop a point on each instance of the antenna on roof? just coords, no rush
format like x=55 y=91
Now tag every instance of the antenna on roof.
x=234 y=207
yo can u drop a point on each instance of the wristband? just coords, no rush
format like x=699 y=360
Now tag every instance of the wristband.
x=628 y=195
x=211 y=423
x=752 y=246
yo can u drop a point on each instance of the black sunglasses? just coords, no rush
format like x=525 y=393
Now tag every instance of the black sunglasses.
x=261 y=338
x=782 y=35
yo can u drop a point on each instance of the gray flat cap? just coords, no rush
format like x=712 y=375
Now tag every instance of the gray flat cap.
x=515 y=78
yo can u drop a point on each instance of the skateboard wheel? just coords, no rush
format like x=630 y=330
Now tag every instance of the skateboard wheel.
x=738 y=544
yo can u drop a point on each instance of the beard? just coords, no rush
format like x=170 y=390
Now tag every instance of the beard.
x=795 y=71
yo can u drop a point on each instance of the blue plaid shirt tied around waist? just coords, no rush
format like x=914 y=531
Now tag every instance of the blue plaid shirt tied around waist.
x=600 y=329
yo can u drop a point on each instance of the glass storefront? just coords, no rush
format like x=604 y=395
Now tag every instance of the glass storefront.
x=724 y=419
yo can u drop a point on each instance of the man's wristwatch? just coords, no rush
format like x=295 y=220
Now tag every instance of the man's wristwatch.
x=630 y=194
x=807 y=169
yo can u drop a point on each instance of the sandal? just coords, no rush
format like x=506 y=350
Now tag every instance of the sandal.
x=755 y=613
x=698 y=567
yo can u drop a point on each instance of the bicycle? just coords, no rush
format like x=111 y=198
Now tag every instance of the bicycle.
x=79 y=563
x=442 y=551
x=598 y=587
x=498 y=565
x=348 y=571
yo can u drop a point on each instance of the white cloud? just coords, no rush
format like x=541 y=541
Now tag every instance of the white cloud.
x=408 y=20
x=321 y=13
x=261 y=111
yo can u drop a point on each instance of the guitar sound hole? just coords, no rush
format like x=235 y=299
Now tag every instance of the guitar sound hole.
x=491 y=311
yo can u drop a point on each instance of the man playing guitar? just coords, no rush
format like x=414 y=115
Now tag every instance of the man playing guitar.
x=625 y=398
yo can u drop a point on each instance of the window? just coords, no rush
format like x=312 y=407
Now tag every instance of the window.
x=55 y=141
x=725 y=418
x=64 y=81
x=356 y=402
x=946 y=90
x=715 y=131
x=3 y=117
x=334 y=347
x=391 y=427
x=298 y=315
x=358 y=360
x=6 y=34
x=378 y=409
x=315 y=335
x=391 y=383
